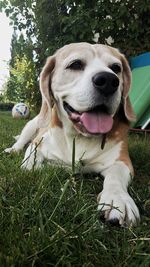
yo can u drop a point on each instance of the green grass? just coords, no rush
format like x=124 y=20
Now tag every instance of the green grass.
x=47 y=218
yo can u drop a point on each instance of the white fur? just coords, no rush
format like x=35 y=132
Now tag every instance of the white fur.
x=114 y=199
x=76 y=88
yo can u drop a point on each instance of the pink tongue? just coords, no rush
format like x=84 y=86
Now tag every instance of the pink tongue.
x=96 y=122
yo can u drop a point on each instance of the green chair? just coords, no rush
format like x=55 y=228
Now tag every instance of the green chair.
x=140 y=90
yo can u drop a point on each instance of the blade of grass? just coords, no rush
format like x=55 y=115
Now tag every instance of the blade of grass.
x=59 y=201
x=73 y=156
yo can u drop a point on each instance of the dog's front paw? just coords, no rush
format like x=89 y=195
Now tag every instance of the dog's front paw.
x=9 y=150
x=118 y=208
x=15 y=148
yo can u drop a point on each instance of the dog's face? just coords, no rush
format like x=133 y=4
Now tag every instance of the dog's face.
x=88 y=82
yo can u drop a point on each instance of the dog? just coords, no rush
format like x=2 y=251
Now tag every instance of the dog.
x=85 y=95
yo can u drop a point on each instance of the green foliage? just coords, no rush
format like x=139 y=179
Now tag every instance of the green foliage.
x=21 y=85
x=55 y=23
x=44 y=26
x=7 y=106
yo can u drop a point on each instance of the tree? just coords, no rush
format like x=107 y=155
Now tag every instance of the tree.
x=48 y=25
x=21 y=84
x=54 y=23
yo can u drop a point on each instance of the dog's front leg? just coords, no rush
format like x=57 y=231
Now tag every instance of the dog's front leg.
x=114 y=201
x=26 y=136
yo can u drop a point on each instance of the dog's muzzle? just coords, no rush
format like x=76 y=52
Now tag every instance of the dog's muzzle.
x=97 y=120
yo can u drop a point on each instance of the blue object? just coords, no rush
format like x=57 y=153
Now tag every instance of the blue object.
x=140 y=61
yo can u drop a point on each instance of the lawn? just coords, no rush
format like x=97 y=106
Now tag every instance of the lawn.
x=49 y=217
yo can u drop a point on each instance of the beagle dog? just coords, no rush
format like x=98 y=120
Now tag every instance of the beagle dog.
x=85 y=95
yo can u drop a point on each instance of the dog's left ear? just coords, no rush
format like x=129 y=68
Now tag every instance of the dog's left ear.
x=128 y=110
x=45 y=84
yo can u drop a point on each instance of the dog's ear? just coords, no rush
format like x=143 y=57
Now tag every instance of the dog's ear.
x=45 y=80
x=128 y=110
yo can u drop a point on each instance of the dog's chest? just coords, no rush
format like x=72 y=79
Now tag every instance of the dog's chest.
x=87 y=151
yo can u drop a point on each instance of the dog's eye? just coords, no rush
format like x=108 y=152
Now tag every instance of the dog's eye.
x=76 y=65
x=115 y=68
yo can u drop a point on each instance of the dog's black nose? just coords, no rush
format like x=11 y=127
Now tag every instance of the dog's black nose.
x=107 y=83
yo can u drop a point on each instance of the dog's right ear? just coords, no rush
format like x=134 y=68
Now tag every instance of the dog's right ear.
x=45 y=84
x=128 y=109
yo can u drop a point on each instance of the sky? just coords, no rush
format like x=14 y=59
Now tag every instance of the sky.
x=5 y=33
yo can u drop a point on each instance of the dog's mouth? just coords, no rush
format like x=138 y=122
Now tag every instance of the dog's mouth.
x=94 y=121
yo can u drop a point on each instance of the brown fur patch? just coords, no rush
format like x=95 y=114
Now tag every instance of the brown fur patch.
x=115 y=52
x=119 y=133
x=49 y=66
x=119 y=130
x=55 y=121
x=37 y=140
x=124 y=156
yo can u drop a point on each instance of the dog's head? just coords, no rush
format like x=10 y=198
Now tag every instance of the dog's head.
x=88 y=84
